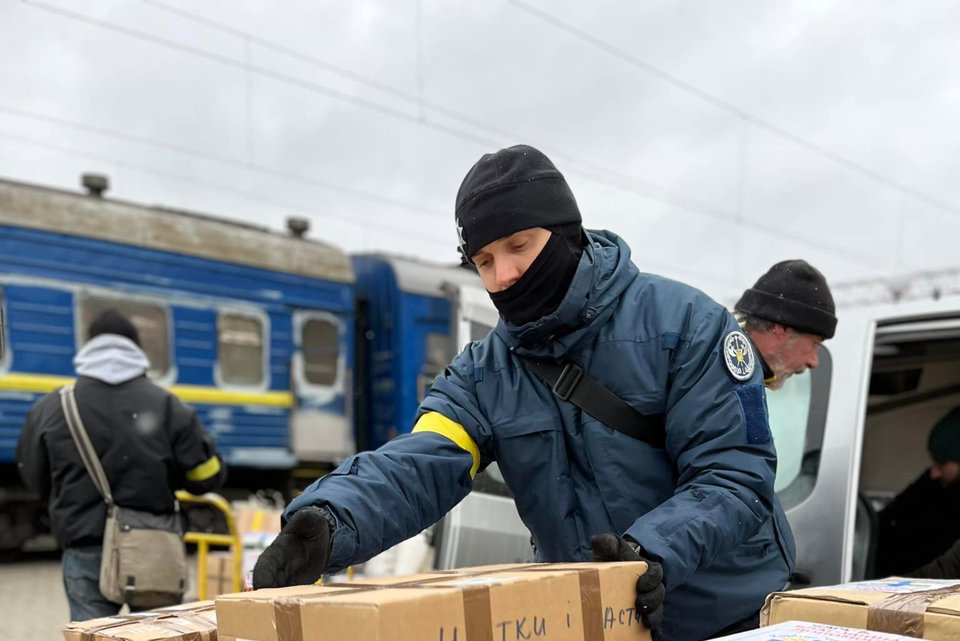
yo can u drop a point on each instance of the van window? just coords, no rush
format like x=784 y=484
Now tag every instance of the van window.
x=789 y=409
x=797 y=421
x=240 y=349
x=320 y=343
x=150 y=319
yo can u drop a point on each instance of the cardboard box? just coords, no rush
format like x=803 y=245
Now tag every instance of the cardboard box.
x=921 y=608
x=517 y=605
x=252 y=615
x=219 y=578
x=486 y=569
x=592 y=601
x=252 y=518
x=326 y=613
x=608 y=594
x=187 y=622
x=381 y=581
x=806 y=631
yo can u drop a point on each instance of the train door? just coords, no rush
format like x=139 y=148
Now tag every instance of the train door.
x=322 y=420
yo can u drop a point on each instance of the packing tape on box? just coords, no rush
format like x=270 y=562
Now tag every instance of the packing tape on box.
x=91 y=634
x=903 y=613
x=286 y=611
x=476 y=603
x=286 y=616
x=478 y=614
x=590 y=602
x=161 y=618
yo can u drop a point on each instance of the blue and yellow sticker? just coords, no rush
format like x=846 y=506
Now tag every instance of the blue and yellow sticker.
x=738 y=355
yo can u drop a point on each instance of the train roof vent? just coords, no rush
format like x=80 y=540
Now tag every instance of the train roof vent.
x=95 y=184
x=298 y=226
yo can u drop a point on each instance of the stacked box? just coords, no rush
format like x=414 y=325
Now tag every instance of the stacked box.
x=806 y=631
x=252 y=518
x=187 y=622
x=219 y=575
x=328 y=613
x=921 y=608
x=573 y=602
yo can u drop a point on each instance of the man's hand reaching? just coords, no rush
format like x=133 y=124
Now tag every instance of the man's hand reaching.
x=650 y=590
x=300 y=552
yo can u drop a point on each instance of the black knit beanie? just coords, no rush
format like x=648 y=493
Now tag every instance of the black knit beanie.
x=944 y=443
x=511 y=190
x=795 y=294
x=113 y=322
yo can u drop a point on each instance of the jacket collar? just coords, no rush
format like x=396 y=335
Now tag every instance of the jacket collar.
x=604 y=272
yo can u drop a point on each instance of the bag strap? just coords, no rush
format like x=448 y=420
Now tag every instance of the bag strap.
x=570 y=383
x=68 y=401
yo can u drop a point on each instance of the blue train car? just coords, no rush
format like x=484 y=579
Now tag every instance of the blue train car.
x=404 y=334
x=252 y=328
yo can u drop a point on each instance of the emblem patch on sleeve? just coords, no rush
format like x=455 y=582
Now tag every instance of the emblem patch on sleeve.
x=738 y=355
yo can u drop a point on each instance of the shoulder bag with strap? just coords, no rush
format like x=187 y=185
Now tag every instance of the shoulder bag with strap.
x=144 y=559
x=570 y=383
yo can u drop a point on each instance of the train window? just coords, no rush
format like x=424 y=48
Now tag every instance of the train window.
x=150 y=319
x=239 y=349
x=3 y=329
x=320 y=342
x=437 y=355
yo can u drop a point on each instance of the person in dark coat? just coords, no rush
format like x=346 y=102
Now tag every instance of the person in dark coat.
x=148 y=442
x=787 y=314
x=919 y=529
x=697 y=503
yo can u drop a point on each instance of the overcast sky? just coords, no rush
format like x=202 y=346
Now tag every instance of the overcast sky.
x=716 y=137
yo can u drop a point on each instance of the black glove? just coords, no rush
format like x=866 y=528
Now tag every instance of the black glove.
x=650 y=590
x=300 y=552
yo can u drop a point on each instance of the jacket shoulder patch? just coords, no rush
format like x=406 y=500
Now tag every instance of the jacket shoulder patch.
x=738 y=356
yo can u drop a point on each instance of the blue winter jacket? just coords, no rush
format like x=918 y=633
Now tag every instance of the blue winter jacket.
x=704 y=506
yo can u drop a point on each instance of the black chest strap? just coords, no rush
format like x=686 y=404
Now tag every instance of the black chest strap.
x=569 y=382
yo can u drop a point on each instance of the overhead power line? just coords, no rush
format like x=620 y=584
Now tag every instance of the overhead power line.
x=248 y=194
x=592 y=171
x=406 y=230
x=729 y=108
x=224 y=160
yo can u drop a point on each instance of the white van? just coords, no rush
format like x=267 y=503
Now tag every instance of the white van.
x=850 y=435
x=853 y=433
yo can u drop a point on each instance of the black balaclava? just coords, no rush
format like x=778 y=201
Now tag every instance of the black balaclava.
x=511 y=190
x=542 y=287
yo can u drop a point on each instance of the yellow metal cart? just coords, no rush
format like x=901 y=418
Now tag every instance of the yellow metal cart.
x=204 y=540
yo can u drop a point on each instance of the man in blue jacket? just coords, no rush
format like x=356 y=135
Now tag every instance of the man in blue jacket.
x=697 y=503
